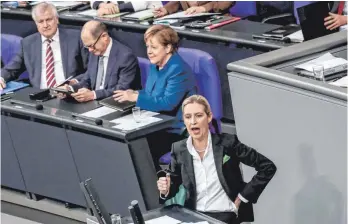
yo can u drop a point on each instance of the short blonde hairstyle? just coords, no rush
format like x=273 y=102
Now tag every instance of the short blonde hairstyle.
x=165 y=34
x=200 y=100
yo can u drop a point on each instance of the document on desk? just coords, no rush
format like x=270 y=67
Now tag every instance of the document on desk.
x=330 y=63
x=127 y=123
x=162 y=220
x=203 y=222
x=342 y=82
x=99 y=112
x=141 y=15
x=180 y=15
x=90 y=12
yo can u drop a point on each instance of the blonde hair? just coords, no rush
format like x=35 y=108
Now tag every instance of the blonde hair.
x=200 y=100
x=165 y=34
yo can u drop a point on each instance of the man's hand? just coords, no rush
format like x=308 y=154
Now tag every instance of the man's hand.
x=334 y=21
x=160 y=12
x=194 y=10
x=2 y=84
x=83 y=95
x=62 y=95
x=107 y=9
x=125 y=95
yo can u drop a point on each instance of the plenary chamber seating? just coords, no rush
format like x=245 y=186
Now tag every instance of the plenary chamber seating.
x=208 y=82
x=10 y=45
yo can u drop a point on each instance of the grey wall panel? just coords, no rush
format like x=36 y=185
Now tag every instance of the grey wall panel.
x=305 y=134
x=46 y=161
x=11 y=175
x=110 y=166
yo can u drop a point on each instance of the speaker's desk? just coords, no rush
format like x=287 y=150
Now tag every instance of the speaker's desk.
x=47 y=152
x=300 y=124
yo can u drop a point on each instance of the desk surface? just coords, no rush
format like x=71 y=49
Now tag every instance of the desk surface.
x=239 y=32
x=176 y=212
x=56 y=110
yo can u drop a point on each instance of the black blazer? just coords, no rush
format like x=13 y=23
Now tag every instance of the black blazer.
x=229 y=172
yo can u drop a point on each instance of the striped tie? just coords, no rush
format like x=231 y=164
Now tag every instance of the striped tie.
x=50 y=77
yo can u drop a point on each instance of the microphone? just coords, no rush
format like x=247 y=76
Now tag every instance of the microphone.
x=132 y=213
x=97 y=121
x=37 y=106
x=137 y=212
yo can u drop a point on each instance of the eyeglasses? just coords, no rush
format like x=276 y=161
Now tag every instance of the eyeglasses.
x=92 y=46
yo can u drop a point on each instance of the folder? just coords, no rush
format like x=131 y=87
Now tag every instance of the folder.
x=13 y=86
x=110 y=102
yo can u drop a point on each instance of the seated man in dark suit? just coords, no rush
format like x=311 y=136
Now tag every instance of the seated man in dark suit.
x=51 y=55
x=112 y=66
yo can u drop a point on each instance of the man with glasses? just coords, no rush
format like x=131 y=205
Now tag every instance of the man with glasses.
x=50 y=56
x=112 y=66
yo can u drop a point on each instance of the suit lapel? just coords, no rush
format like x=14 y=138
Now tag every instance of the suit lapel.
x=111 y=64
x=94 y=69
x=188 y=164
x=64 y=50
x=218 y=150
x=37 y=49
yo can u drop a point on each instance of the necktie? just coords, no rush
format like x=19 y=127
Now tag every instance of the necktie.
x=50 y=76
x=100 y=73
x=340 y=7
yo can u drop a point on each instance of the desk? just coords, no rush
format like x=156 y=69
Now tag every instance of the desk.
x=232 y=42
x=176 y=212
x=55 y=152
x=301 y=125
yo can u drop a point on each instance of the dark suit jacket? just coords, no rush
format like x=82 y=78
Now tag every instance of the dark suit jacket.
x=229 y=173
x=213 y=6
x=122 y=72
x=74 y=57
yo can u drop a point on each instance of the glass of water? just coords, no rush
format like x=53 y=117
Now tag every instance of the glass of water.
x=318 y=72
x=136 y=114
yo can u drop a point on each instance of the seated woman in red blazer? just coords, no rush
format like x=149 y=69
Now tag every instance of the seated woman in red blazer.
x=207 y=165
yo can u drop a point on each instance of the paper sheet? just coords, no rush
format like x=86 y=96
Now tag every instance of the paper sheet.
x=113 y=15
x=203 y=222
x=90 y=12
x=141 y=15
x=296 y=37
x=342 y=82
x=130 y=124
x=182 y=14
x=65 y=4
x=162 y=220
x=99 y=112
x=327 y=60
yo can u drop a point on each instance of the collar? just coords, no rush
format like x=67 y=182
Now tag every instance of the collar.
x=108 y=49
x=54 y=38
x=192 y=149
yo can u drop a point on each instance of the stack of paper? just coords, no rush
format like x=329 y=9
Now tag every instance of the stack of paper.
x=330 y=63
x=99 y=112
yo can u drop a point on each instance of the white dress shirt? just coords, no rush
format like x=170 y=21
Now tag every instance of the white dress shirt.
x=106 y=56
x=57 y=56
x=211 y=197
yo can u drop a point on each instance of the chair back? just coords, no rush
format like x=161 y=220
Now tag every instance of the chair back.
x=10 y=46
x=243 y=8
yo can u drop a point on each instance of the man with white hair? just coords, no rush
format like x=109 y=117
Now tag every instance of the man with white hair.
x=51 y=55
